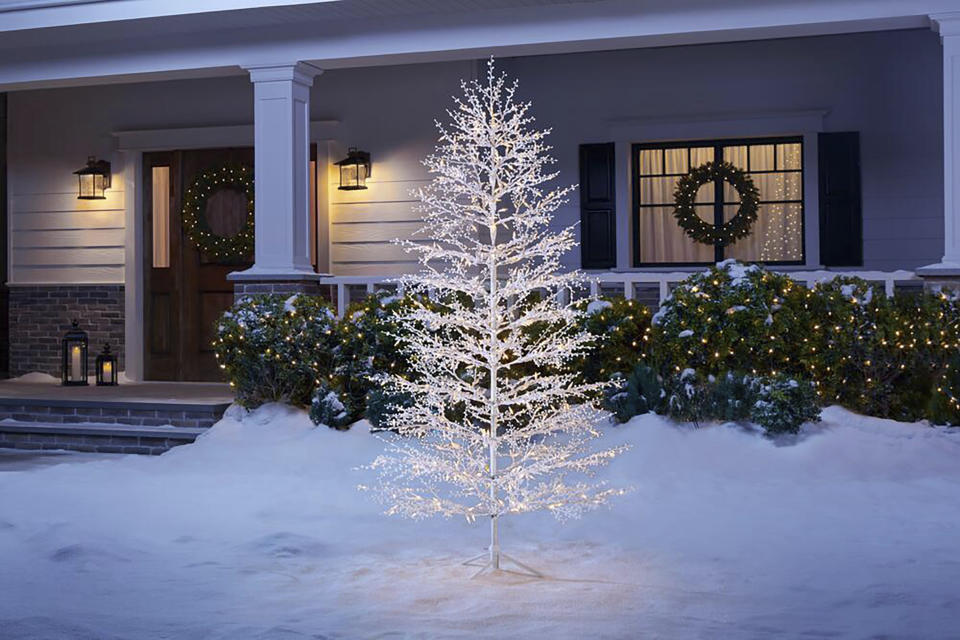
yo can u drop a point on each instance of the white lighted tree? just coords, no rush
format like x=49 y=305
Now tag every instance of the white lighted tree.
x=495 y=425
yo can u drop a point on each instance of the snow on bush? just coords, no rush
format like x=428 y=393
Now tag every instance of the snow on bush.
x=776 y=403
x=782 y=404
x=330 y=408
x=731 y=318
x=275 y=349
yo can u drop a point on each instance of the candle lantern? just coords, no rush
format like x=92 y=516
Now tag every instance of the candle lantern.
x=74 y=364
x=354 y=170
x=106 y=368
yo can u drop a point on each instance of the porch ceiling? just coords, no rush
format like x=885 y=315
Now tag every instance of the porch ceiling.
x=130 y=40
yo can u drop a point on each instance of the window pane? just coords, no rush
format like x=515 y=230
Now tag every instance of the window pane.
x=160 y=203
x=651 y=162
x=657 y=190
x=700 y=156
x=761 y=157
x=736 y=156
x=789 y=156
x=662 y=240
x=675 y=161
x=776 y=236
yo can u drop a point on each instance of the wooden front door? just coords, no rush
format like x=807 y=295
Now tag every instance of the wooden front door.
x=185 y=289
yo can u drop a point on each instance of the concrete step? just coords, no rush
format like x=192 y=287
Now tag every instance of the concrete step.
x=120 y=412
x=92 y=437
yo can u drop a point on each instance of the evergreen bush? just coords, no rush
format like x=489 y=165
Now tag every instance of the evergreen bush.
x=368 y=343
x=622 y=329
x=725 y=339
x=331 y=408
x=633 y=394
x=874 y=354
x=274 y=348
x=381 y=404
x=731 y=318
x=781 y=404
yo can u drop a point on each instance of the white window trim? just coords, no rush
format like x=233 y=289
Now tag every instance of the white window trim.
x=627 y=131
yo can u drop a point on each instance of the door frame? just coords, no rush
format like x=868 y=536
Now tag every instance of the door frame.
x=131 y=145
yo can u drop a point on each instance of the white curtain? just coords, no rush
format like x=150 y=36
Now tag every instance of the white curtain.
x=777 y=234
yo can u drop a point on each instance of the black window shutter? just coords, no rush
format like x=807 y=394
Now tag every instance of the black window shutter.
x=841 y=217
x=598 y=245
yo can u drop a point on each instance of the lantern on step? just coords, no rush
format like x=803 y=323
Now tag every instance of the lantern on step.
x=74 y=356
x=354 y=170
x=94 y=179
x=106 y=368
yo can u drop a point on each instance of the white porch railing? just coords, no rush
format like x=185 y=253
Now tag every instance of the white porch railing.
x=651 y=287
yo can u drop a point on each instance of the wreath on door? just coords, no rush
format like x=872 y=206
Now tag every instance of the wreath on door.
x=685 y=197
x=235 y=177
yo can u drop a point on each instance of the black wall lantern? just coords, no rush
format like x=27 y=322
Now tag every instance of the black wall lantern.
x=354 y=170
x=106 y=366
x=94 y=179
x=74 y=356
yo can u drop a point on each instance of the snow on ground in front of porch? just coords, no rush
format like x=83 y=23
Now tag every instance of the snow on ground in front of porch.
x=257 y=531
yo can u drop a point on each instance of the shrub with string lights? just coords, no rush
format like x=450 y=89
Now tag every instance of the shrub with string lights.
x=875 y=354
x=622 y=330
x=274 y=348
x=731 y=318
x=368 y=343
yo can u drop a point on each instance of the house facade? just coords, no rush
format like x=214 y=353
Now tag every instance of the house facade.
x=844 y=114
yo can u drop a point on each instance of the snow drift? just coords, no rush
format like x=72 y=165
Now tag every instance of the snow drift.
x=257 y=531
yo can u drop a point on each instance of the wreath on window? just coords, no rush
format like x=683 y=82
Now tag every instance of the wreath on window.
x=194 y=212
x=705 y=232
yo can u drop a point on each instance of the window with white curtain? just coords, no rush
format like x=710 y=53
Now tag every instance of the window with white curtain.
x=774 y=164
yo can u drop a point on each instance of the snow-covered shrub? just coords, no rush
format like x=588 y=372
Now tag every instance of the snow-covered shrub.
x=622 y=328
x=331 y=408
x=369 y=343
x=877 y=355
x=633 y=394
x=782 y=404
x=732 y=317
x=693 y=397
x=777 y=403
x=275 y=348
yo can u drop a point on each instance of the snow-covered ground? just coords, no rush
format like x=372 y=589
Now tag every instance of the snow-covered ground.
x=256 y=531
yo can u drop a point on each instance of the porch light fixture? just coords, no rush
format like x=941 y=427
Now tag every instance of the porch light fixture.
x=74 y=356
x=106 y=368
x=354 y=170
x=94 y=179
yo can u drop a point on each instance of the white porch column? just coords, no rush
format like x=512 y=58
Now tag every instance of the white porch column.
x=282 y=180
x=948 y=269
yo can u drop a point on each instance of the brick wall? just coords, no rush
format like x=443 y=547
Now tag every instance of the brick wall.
x=40 y=314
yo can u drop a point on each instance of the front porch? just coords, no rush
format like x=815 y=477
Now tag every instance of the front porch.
x=855 y=179
x=135 y=417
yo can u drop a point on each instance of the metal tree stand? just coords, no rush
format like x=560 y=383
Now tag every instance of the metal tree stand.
x=494 y=556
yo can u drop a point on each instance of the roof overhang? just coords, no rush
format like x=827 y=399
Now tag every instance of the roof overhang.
x=122 y=41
